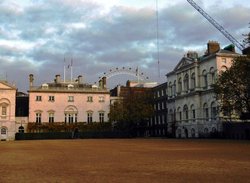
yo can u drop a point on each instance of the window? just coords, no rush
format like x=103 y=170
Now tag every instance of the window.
x=101 y=117
x=71 y=99
x=186 y=83
x=224 y=60
x=204 y=75
x=75 y=118
x=101 y=98
x=51 y=98
x=193 y=81
x=21 y=129
x=193 y=112
x=212 y=72
x=70 y=118
x=4 y=110
x=185 y=110
x=179 y=85
x=179 y=112
x=223 y=68
x=90 y=117
x=38 y=98
x=3 y=131
x=163 y=119
x=213 y=111
x=89 y=99
x=38 y=118
x=205 y=112
x=174 y=88
x=51 y=117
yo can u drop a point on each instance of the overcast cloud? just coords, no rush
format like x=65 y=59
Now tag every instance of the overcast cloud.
x=36 y=35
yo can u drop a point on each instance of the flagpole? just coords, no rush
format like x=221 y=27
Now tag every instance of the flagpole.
x=64 y=71
x=71 y=70
x=137 y=72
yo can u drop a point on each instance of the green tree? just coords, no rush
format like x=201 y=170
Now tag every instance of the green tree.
x=233 y=87
x=132 y=112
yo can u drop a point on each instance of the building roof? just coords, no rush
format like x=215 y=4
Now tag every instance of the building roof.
x=6 y=86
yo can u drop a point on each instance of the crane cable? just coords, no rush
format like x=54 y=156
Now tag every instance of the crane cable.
x=157 y=37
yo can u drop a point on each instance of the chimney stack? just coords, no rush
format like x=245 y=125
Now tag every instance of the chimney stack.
x=212 y=47
x=58 y=78
x=80 y=79
x=101 y=83
x=104 y=82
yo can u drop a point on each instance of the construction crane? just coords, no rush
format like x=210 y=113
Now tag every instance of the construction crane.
x=217 y=25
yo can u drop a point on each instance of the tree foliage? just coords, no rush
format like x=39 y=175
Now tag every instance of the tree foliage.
x=233 y=86
x=246 y=40
x=132 y=111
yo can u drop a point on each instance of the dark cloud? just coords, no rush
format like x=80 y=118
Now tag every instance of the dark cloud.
x=37 y=37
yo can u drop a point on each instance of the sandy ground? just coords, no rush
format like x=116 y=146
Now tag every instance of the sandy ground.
x=125 y=160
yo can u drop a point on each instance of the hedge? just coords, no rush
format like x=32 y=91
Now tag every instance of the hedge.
x=71 y=135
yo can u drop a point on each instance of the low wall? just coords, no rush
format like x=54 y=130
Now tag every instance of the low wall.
x=71 y=135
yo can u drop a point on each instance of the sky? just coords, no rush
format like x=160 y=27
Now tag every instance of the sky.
x=40 y=37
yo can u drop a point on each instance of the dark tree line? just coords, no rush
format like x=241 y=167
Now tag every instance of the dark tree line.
x=132 y=112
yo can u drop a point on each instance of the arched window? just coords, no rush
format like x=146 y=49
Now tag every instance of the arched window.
x=179 y=113
x=212 y=75
x=179 y=85
x=223 y=68
x=70 y=114
x=3 y=131
x=186 y=83
x=213 y=111
x=193 y=116
x=185 y=111
x=174 y=88
x=204 y=76
x=193 y=81
x=205 y=112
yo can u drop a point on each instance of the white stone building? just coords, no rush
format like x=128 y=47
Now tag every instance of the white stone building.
x=192 y=107
x=69 y=102
x=7 y=111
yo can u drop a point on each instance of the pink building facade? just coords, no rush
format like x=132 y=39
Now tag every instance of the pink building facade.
x=7 y=111
x=68 y=102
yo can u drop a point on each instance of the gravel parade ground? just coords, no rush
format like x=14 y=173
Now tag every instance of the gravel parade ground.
x=125 y=160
